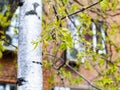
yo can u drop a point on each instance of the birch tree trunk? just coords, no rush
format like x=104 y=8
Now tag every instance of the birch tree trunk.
x=30 y=58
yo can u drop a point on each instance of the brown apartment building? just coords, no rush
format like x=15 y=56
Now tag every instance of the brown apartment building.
x=8 y=63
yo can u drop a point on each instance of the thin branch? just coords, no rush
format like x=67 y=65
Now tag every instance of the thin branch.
x=9 y=43
x=78 y=2
x=56 y=14
x=113 y=15
x=55 y=68
x=75 y=72
x=83 y=77
x=44 y=10
x=61 y=78
x=69 y=16
x=93 y=11
x=83 y=9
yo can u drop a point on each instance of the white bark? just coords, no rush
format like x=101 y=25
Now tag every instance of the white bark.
x=30 y=59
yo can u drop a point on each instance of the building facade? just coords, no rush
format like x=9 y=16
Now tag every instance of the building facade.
x=8 y=63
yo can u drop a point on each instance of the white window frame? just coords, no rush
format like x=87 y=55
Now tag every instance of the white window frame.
x=94 y=38
x=61 y=88
x=70 y=88
x=11 y=33
x=79 y=45
x=6 y=86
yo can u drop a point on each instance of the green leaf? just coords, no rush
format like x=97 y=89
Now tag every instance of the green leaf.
x=101 y=62
x=63 y=46
x=106 y=80
x=117 y=77
x=2 y=49
x=66 y=37
x=88 y=65
x=46 y=64
x=78 y=80
x=1 y=54
x=1 y=15
x=65 y=1
x=118 y=48
x=4 y=19
x=51 y=79
x=104 y=4
x=35 y=43
x=113 y=69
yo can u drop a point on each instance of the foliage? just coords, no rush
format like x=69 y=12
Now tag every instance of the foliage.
x=108 y=69
x=56 y=32
x=4 y=23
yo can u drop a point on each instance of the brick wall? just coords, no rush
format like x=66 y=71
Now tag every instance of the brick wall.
x=8 y=68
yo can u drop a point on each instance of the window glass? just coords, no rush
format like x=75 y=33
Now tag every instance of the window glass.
x=12 y=32
x=61 y=88
x=2 y=87
x=96 y=38
x=11 y=41
x=77 y=44
x=13 y=87
x=8 y=87
x=68 y=88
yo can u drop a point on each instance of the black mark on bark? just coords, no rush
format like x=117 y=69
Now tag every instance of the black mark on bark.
x=33 y=12
x=21 y=2
x=37 y=62
x=20 y=81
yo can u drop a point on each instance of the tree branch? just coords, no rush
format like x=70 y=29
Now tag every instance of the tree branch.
x=78 y=2
x=9 y=43
x=83 y=9
x=69 y=16
x=83 y=77
x=75 y=72
x=56 y=14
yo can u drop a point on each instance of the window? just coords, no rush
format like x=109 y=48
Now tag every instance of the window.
x=77 y=45
x=8 y=87
x=61 y=88
x=3 y=6
x=97 y=38
x=12 y=32
x=11 y=41
x=68 y=88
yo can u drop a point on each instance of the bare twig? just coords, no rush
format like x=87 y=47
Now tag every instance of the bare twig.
x=75 y=72
x=78 y=2
x=83 y=9
x=83 y=77
x=93 y=11
x=113 y=15
x=9 y=43
x=56 y=14
x=55 y=68
x=69 y=16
